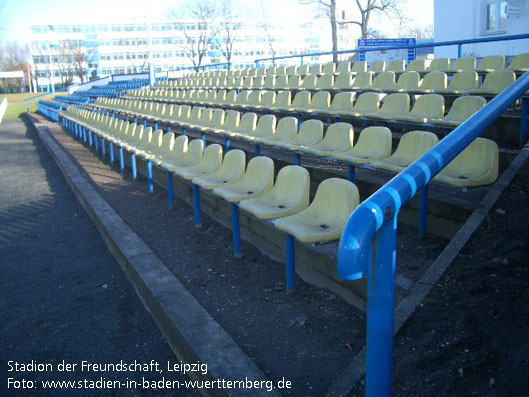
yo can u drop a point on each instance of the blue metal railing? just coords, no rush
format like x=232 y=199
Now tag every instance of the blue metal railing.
x=459 y=44
x=43 y=95
x=368 y=244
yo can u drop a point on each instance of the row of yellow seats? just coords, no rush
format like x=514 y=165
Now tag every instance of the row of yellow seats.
x=429 y=108
x=478 y=165
x=466 y=82
x=253 y=189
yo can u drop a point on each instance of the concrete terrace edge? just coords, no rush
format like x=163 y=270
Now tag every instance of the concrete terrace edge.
x=189 y=329
x=343 y=384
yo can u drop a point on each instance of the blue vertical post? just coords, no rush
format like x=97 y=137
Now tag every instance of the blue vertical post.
x=90 y=143
x=297 y=158
x=203 y=137
x=236 y=230
x=133 y=166
x=168 y=128
x=227 y=145
x=95 y=142
x=290 y=244
x=196 y=205
x=423 y=211
x=183 y=131
x=149 y=176
x=111 y=151
x=152 y=75
x=380 y=310
x=523 y=121
x=351 y=173
x=103 y=148
x=135 y=119
x=121 y=159
x=144 y=123
x=257 y=149
x=170 y=190
x=155 y=125
x=459 y=50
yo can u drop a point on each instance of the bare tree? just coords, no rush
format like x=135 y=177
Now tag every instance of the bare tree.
x=195 y=19
x=263 y=15
x=419 y=32
x=327 y=8
x=229 y=27
x=79 y=60
x=367 y=8
x=14 y=57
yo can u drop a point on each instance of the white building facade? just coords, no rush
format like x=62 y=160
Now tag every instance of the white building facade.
x=481 y=19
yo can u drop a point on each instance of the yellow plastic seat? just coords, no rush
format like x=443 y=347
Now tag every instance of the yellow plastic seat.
x=268 y=100
x=247 y=83
x=362 y=81
x=417 y=65
x=343 y=67
x=462 y=108
x=136 y=136
x=439 y=64
x=269 y=82
x=281 y=82
x=216 y=121
x=427 y=107
x=192 y=156
x=153 y=146
x=281 y=69
x=520 y=63
x=477 y=165
x=374 y=143
x=408 y=81
x=326 y=82
x=266 y=126
x=463 y=64
x=396 y=66
x=339 y=137
x=257 y=180
x=316 y=69
x=359 y=67
x=432 y=82
x=412 y=145
x=491 y=63
x=377 y=66
x=230 y=171
x=328 y=68
x=495 y=82
x=246 y=126
x=173 y=148
x=310 y=133
x=462 y=83
x=283 y=100
x=204 y=119
x=385 y=81
x=291 y=70
x=294 y=82
x=231 y=122
x=289 y=195
x=319 y=101
x=209 y=163
x=310 y=82
x=341 y=103
x=254 y=98
x=366 y=103
x=343 y=81
x=393 y=106
x=301 y=101
x=326 y=216
x=286 y=129
x=270 y=70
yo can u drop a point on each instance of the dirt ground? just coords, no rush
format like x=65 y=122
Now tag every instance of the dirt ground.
x=301 y=336
x=470 y=337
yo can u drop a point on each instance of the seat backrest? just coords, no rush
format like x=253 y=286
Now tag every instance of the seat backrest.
x=440 y=64
x=303 y=70
x=310 y=81
x=259 y=173
x=326 y=82
x=464 y=81
x=464 y=107
x=254 y=98
x=205 y=117
x=343 y=67
x=212 y=155
x=291 y=70
x=269 y=81
x=396 y=65
x=413 y=145
x=231 y=120
x=343 y=81
x=247 y=82
x=315 y=69
x=384 y=80
x=492 y=62
x=283 y=99
x=217 y=119
x=301 y=100
x=287 y=127
x=374 y=142
x=377 y=66
x=368 y=102
x=396 y=104
x=270 y=70
x=498 y=80
x=242 y=97
x=480 y=157
x=431 y=106
x=321 y=100
x=328 y=68
x=281 y=81
x=268 y=99
x=266 y=125
x=339 y=135
x=294 y=81
x=247 y=124
x=281 y=69
x=231 y=97
x=417 y=65
x=362 y=80
x=292 y=187
x=520 y=63
x=310 y=133
x=343 y=101
x=408 y=81
x=194 y=117
x=233 y=164
x=434 y=81
x=359 y=67
x=333 y=203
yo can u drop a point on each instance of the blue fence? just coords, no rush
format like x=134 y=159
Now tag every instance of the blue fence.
x=458 y=43
x=368 y=244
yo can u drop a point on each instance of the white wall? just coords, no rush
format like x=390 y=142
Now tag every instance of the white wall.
x=464 y=19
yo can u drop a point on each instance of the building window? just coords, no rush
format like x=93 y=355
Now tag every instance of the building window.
x=495 y=16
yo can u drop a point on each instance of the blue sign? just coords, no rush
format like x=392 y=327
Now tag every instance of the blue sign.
x=388 y=55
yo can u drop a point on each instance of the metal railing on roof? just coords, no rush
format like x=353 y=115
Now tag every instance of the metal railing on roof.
x=368 y=243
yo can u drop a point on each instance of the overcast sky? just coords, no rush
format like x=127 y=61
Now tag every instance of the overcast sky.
x=18 y=15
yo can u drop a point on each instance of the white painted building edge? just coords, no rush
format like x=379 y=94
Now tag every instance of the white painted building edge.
x=467 y=19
